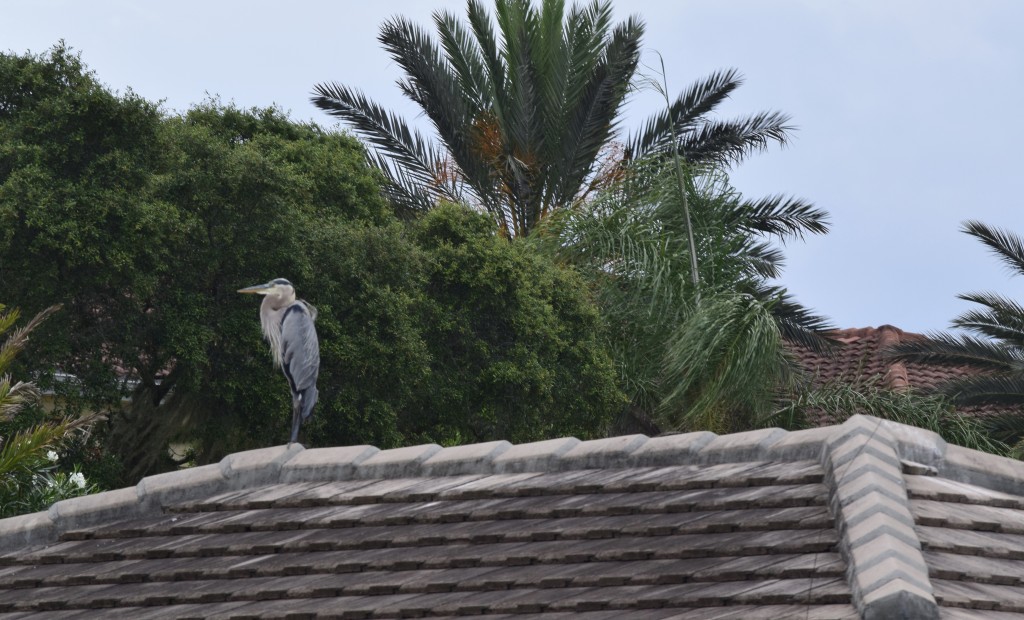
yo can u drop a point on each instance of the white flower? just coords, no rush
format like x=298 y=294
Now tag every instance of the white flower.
x=52 y=456
x=79 y=479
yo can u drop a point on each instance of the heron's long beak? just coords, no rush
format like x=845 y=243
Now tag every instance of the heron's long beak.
x=259 y=289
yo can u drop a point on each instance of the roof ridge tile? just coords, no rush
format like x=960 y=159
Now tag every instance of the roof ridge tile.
x=533 y=456
x=601 y=453
x=876 y=525
x=471 y=458
x=396 y=462
x=260 y=466
x=319 y=464
x=674 y=449
x=740 y=447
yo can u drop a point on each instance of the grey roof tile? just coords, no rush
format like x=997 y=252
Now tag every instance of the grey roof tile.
x=674 y=449
x=258 y=467
x=966 y=542
x=953 y=613
x=472 y=458
x=958 y=567
x=320 y=464
x=800 y=445
x=980 y=469
x=943 y=489
x=537 y=456
x=768 y=612
x=601 y=453
x=24 y=530
x=740 y=447
x=758 y=525
x=898 y=598
x=395 y=463
x=179 y=486
x=969 y=517
x=979 y=595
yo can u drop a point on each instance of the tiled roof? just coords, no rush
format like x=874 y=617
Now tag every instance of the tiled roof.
x=868 y=519
x=860 y=358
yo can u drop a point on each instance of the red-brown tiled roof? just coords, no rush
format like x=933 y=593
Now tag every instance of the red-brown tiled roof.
x=861 y=359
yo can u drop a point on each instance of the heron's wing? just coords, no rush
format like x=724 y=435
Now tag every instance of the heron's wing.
x=300 y=350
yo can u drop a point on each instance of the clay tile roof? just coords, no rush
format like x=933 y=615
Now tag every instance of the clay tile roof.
x=867 y=519
x=861 y=358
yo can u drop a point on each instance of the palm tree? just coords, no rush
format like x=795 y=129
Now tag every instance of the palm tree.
x=993 y=346
x=526 y=116
x=693 y=354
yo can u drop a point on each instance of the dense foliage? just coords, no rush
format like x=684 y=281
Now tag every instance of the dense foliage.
x=521 y=354
x=144 y=225
x=840 y=399
x=32 y=474
x=694 y=353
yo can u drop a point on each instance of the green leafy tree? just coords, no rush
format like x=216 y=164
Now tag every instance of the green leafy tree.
x=28 y=448
x=526 y=115
x=516 y=347
x=143 y=226
x=993 y=345
x=147 y=237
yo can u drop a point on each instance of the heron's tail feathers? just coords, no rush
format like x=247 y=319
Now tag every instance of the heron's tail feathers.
x=309 y=396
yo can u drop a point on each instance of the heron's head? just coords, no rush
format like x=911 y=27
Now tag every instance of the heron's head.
x=278 y=287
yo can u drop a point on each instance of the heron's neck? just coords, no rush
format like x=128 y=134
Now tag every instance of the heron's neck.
x=270 y=320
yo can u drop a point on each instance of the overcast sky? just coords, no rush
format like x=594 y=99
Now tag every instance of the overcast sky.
x=909 y=112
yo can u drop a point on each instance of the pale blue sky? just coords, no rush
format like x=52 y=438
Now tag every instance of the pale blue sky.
x=908 y=111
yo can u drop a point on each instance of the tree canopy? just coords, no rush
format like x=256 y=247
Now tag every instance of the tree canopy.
x=143 y=224
x=694 y=353
x=526 y=115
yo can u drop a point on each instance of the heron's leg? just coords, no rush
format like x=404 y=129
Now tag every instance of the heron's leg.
x=296 y=418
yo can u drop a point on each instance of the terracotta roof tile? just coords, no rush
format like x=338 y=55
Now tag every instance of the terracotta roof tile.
x=860 y=358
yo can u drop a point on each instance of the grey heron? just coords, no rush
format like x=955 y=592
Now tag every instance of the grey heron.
x=288 y=327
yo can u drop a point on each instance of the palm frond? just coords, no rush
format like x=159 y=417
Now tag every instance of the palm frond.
x=431 y=83
x=25 y=450
x=782 y=217
x=18 y=338
x=729 y=142
x=522 y=129
x=958 y=350
x=699 y=99
x=797 y=324
x=465 y=57
x=1003 y=320
x=594 y=117
x=987 y=389
x=1008 y=428
x=385 y=131
x=14 y=396
x=550 y=55
x=841 y=399
x=407 y=193
x=480 y=23
x=725 y=357
x=763 y=260
x=1005 y=244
